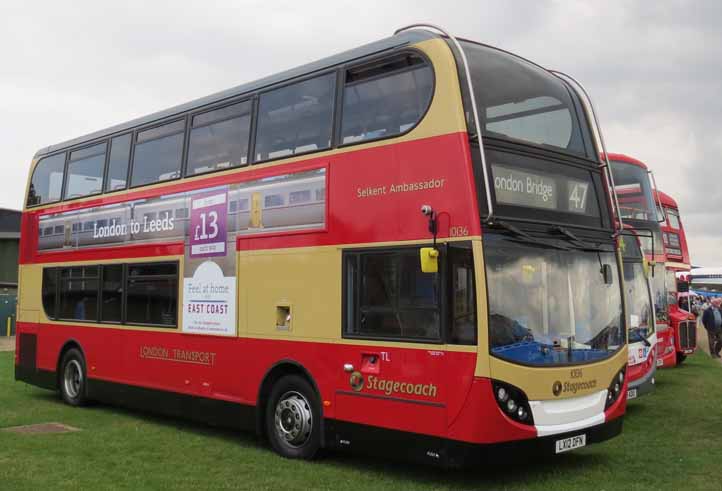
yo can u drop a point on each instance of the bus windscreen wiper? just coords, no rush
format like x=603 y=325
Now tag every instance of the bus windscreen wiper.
x=576 y=240
x=522 y=236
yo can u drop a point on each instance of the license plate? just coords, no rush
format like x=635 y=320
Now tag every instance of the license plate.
x=631 y=393
x=571 y=443
x=660 y=362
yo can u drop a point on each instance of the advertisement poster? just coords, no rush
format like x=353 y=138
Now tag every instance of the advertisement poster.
x=209 y=292
x=208 y=222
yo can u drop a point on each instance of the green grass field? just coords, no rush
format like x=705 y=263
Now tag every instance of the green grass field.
x=672 y=440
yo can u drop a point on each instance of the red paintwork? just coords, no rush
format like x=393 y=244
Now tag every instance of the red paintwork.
x=638 y=371
x=669 y=203
x=665 y=339
x=676 y=315
x=463 y=407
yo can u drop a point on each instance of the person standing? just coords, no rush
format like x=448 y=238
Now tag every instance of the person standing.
x=712 y=321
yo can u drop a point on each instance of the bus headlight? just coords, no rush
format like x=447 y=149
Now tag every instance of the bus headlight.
x=513 y=402
x=615 y=388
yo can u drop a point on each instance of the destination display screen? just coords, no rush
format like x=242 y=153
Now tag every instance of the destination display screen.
x=551 y=192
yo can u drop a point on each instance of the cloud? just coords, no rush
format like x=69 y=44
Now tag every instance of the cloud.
x=652 y=68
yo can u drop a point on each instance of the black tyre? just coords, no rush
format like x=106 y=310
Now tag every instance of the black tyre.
x=73 y=381
x=680 y=358
x=293 y=418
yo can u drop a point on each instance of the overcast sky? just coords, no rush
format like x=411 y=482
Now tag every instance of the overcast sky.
x=654 y=70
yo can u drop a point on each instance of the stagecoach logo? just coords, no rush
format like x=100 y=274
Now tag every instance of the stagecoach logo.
x=557 y=388
x=356 y=381
x=572 y=387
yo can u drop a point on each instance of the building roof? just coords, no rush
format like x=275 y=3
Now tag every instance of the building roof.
x=9 y=223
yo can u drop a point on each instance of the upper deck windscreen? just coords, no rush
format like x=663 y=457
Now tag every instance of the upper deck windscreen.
x=522 y=102
x=634 y=192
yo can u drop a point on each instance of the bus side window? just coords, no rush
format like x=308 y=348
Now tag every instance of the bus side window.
x=219 y=139
x=47 y=182
x=385 y=98
x=462 y=295
x=78 y=298
x=158 y=154
x=118 y=165
x=152 y=294
x=387 y=296
x=50 y=291
x=85 y=171
x=296 y=118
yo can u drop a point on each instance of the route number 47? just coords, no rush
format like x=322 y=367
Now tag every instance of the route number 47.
x=578 y=196
x=208 y=228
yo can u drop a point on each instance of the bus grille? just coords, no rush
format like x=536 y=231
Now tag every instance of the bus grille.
x=687 y=334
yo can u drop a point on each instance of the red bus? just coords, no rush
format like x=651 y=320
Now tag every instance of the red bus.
x=406 y=249
x=683 y=321
x=644 y=282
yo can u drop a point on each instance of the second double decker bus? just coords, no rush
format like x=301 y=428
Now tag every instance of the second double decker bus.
x=682 y=320
x=635 y=192
x=406 y=249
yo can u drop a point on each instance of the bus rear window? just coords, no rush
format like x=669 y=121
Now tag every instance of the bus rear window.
x=47 y=182
x=522 y=102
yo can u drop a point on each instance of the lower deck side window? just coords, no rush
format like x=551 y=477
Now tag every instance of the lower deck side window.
x=116 y=293
x=387 y=296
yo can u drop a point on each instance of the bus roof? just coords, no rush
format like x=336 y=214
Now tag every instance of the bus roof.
x=398 y=40
x=620 y=157
x=667 y=200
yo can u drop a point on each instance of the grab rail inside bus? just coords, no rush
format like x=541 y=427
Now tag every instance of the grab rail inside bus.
x=599 y=137
x=474 y=110
x=662 y=216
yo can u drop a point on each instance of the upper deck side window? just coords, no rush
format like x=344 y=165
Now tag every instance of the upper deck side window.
x=295 y=119
x=47 y=181
x=219 y=139
x=85 y=171
x=673 y=218
x=522 y=102
x=158 y=153
x=634 y=191
x=385 y=98
x=118 y=163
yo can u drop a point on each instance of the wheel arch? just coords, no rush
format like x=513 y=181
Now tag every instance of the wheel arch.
x=67 y=346
x=280 y=369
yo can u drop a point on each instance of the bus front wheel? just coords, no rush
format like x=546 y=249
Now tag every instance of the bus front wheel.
x=680 y=358
x=73 y=381
x=293 y=418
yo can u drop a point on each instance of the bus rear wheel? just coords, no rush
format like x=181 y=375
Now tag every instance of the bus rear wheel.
x=73 y=381
x=293 y=418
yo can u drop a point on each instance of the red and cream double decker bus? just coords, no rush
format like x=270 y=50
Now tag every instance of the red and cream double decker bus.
x=683 y=321
x=406 y=249
x=644 y=282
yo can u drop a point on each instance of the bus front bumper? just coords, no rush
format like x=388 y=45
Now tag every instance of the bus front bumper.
x=642 y=386
x=462 y=454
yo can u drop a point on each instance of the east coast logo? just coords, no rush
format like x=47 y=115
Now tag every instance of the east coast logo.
x=389 y=387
